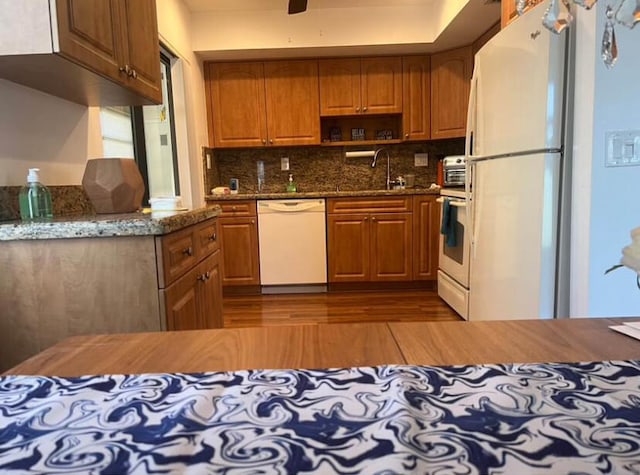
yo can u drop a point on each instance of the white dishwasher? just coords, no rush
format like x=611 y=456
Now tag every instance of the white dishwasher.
x=292 y=241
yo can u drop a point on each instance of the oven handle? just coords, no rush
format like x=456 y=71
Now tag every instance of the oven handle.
x=456 y=203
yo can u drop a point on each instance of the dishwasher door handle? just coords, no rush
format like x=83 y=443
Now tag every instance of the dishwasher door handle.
x=290 y=207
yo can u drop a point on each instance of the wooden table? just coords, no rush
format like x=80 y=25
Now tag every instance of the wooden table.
x=336 y=345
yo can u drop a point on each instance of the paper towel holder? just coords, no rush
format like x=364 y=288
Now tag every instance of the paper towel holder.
x=360 y=154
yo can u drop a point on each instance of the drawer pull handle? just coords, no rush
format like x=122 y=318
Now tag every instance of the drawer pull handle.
x=204 y=277
x=213 y=237
x=188 y=251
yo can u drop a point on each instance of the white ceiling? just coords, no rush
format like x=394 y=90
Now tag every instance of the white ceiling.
x=241 y=5
x=471 y=18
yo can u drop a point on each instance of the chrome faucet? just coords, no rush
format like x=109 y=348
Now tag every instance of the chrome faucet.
x=375 y=160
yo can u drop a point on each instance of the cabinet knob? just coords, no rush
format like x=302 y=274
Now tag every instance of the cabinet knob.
x=233 y=208
x=357 y=109
x=253 y=221
x=202 y=277
x=373 y=219
x=207 y=275
x=271 y=141
x=364 y=109
x=213 y=237
x=133 y=74
x=366 y=219
x=126 y=69
x=188 y=251
x=406 y=136
x=264 y=141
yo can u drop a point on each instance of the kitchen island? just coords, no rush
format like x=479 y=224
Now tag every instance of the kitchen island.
x=106 y=274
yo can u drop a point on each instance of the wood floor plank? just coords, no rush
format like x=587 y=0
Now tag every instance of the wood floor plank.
x=336 y=307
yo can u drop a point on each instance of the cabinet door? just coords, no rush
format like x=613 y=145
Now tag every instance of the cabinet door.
x=381 y=85
x=416 y=102
x=89 y=33
x=142 y=53
x=210 y=292
x=450 y=83
x=181 y=303
x=292 y=102
x=339 y=86
x=391 y=249
x=348 y=247
x=426 y=233
x=239 y=243
x=237 y=104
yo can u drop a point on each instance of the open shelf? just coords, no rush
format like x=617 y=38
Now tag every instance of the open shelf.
x=370 y=124
x=347 y=143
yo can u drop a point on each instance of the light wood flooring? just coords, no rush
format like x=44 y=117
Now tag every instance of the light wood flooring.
x=336 y=307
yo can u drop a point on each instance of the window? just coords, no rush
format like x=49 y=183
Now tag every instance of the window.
x=146 y=133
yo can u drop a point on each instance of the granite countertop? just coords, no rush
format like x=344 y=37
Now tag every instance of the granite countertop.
x=106 y=225
x=323 y=194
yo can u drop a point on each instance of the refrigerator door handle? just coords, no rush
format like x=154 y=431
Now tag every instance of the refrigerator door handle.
x=471 y=115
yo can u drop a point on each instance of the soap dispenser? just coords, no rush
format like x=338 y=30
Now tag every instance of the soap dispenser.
x=35 y=199
x=291 y=185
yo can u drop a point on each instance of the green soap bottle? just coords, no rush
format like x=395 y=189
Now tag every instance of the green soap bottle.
x=35 y=199
x=291 y=185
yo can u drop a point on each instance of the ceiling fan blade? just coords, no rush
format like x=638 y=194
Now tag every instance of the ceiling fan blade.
x=297 y=6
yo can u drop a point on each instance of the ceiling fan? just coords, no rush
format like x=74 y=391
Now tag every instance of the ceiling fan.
x=297 y=6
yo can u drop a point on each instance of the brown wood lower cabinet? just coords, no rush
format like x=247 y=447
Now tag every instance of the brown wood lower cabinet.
x=192 y=288
x=426 y=236
x=238 y=228
x=372 y=245
x=194 y=301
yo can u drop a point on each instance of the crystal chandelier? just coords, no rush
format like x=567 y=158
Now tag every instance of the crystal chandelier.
x=558 y=17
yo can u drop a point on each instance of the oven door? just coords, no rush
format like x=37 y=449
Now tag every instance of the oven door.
x=454 y=260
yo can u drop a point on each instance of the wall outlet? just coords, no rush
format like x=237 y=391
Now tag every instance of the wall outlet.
x=284 y=163
x=208 y=155
x=622 y=148
x=421 y=159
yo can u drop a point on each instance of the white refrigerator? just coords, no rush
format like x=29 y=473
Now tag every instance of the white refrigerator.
x=515 y=153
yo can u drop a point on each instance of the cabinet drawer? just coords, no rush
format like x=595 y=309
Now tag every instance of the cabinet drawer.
x=179 y=254
x=207 y=238
x=236 y=208
x=376 y=205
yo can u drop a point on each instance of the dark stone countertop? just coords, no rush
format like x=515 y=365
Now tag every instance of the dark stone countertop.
x=106 y=225
x=324 y=194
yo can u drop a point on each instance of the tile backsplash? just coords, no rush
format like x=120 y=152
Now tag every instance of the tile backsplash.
x=65 y=200
x=324 y=168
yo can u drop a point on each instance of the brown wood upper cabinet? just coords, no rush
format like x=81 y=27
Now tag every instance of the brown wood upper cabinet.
x=97 y=52
x=416 y=102
x=263 y=103
x=450 y=84
x=354 y=86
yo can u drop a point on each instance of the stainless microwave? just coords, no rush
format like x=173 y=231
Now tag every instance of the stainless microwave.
x=454 y=170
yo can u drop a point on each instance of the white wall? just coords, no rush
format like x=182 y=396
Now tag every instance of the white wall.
x=606 y=199
x=174 y=25
x=39 y=130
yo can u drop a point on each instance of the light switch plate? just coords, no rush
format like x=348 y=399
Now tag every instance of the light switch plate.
x=284 y=163
x=421 y=159
x=622 y=148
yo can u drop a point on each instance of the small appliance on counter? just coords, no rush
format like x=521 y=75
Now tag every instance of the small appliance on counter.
x=454 y=171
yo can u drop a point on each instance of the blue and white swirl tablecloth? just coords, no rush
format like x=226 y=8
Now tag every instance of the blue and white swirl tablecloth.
x=505 y=418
